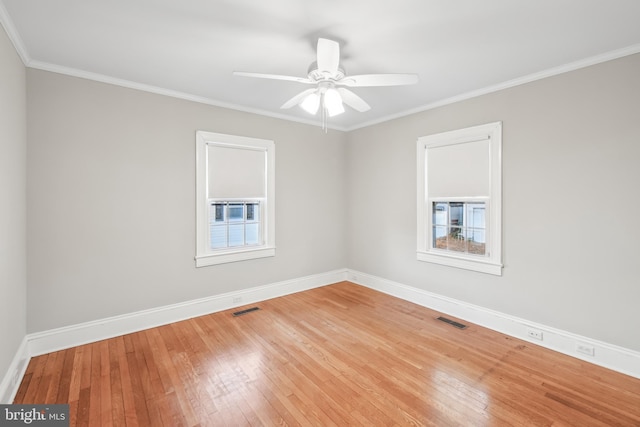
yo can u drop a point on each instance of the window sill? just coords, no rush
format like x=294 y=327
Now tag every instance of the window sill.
x=481 y=266
x=226 y=257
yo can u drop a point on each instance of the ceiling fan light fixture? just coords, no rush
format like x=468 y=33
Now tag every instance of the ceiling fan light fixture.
x=330 y=91
x=333 y=102
x=311 y=103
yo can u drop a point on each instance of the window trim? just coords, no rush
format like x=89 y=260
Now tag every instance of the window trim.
x=205 y=256
x=492 y=262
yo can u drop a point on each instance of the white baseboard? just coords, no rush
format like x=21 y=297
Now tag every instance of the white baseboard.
x=11 y=381
x=84 y=333
x=606 y=355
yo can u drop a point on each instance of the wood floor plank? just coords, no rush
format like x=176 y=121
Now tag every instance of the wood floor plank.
x=332 y=356
x=94 y=385
x=105 y=395
x=64 y=381
x=137 y=368
x=75 y=379
x=126 y=383
x=79 y=410
x=48 y=369
x=115 y=378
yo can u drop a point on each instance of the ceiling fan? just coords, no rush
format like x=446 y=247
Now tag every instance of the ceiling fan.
x=331 y=82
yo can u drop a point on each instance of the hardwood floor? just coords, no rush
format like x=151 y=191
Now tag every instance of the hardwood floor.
x=338 y=355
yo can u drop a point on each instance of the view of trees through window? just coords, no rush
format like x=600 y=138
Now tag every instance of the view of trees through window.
x=459 y=227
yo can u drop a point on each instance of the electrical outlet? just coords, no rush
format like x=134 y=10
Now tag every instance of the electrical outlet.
x=237 y=300
x=354 y=278
x=587 y=349
x=534 y=333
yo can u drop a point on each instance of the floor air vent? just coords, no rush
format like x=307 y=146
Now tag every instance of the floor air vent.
x=452 y=322
x=248 y=310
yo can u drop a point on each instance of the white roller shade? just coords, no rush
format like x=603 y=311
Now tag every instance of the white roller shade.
x=459 y=170
x=235 y=172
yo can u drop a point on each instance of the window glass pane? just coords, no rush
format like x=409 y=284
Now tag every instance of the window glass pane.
x=252 y=234
x=440 y=237
x=456 y=216
x=218 y=236
x=476 y=248
x=218 y=212
x=253 y=212
x=236 y=235
x=250 y=211
x=477 y=228
x=475 y=213
x=440 y=213
x=236 y=212
x=455 y=240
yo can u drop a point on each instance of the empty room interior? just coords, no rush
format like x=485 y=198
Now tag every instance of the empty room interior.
x=347 y=213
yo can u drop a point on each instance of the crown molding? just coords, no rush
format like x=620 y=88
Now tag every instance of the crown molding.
x=12 y=33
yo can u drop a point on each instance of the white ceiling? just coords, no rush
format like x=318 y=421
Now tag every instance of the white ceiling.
x=189 y=48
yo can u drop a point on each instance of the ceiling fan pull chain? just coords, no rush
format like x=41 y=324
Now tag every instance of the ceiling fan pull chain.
x=324 y=117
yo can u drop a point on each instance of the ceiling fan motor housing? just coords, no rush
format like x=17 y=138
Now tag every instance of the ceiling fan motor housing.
x=317 y=76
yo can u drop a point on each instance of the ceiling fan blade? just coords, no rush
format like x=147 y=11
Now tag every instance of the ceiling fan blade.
x=328 y=56
x=297 y=99
x=353 y=100
x=363 y=80
x=273 y=77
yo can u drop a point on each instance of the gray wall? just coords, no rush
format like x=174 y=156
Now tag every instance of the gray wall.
x=13 y=146
x=571 y=176
x=111 y=201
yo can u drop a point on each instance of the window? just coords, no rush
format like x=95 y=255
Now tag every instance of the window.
x=459 y=198
x=235 y=198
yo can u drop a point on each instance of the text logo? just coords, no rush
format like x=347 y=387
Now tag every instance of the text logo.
x=34 y=415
